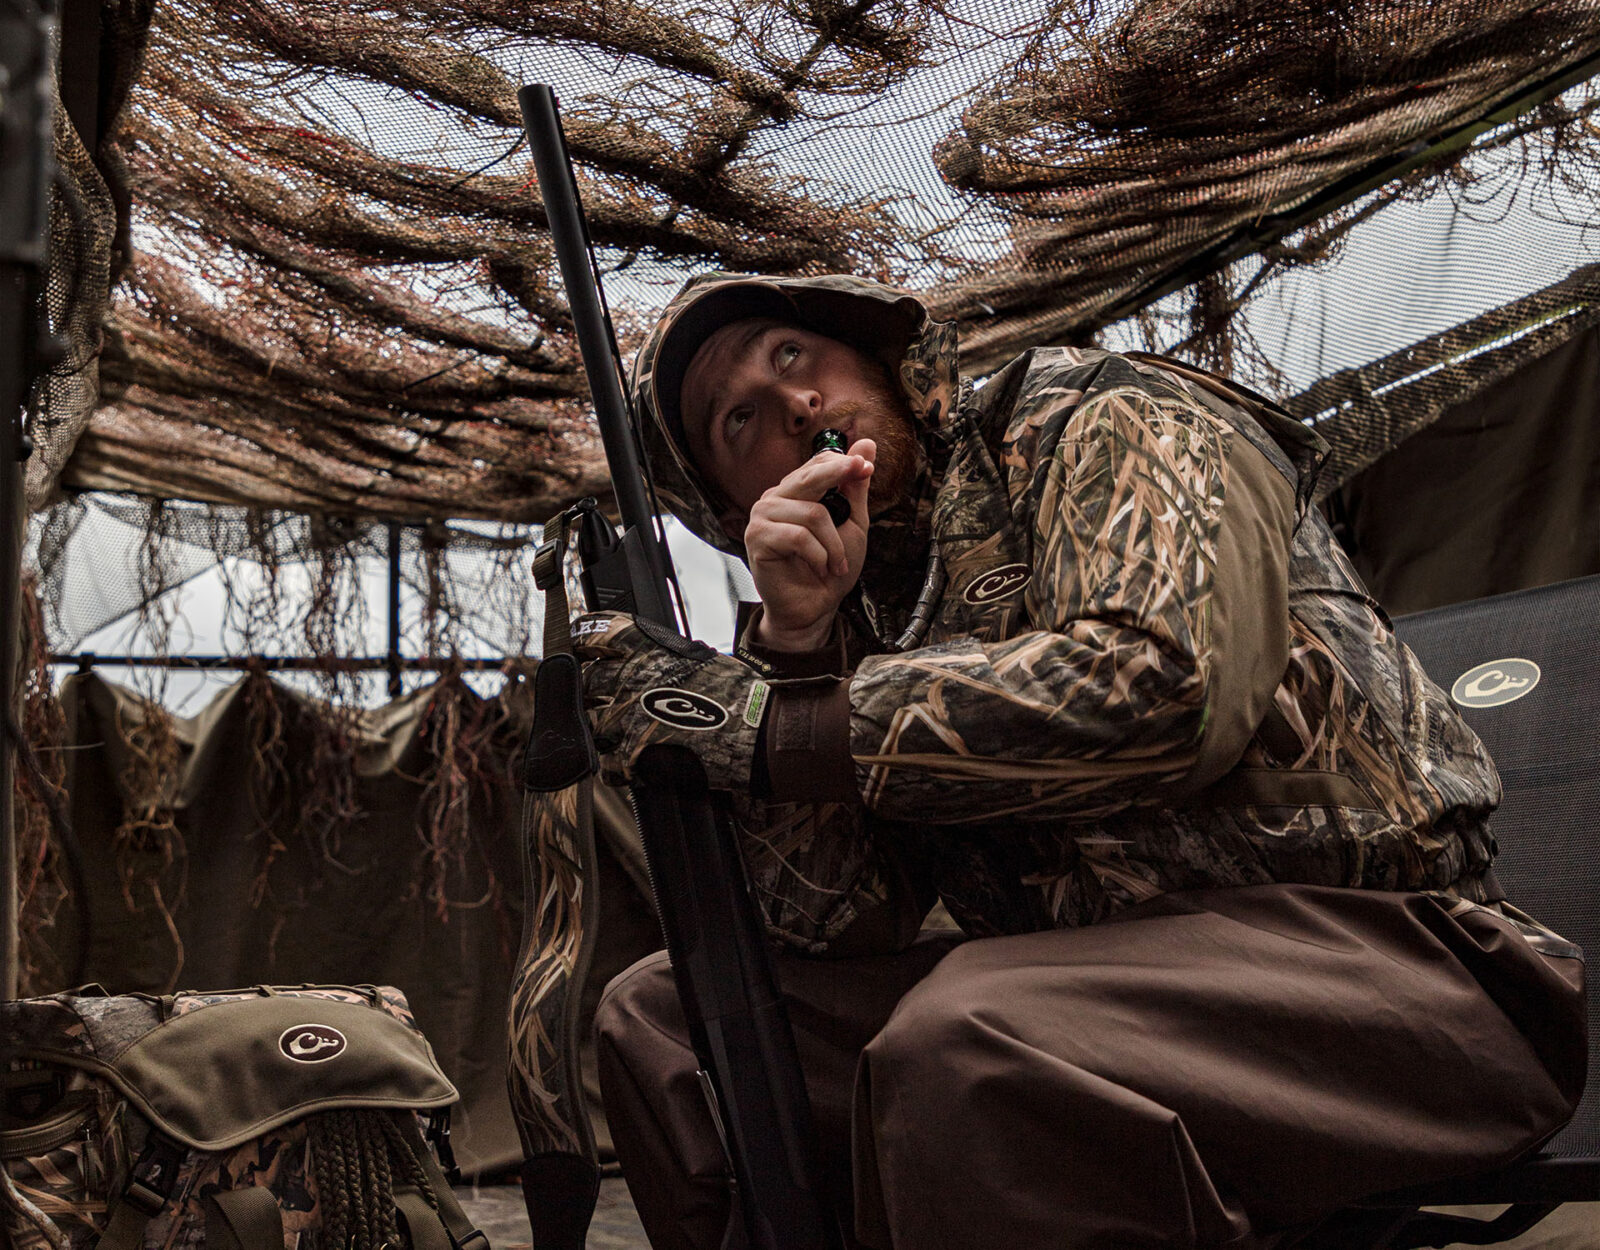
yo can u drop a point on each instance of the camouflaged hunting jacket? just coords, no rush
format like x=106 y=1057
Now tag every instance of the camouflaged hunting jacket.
x=1151 y=667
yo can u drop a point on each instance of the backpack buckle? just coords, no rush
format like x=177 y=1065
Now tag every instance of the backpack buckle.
x=154 y=1175
x=438 y=1136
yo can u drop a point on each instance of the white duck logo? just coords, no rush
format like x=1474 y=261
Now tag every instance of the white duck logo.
x=311 y=1043
x=683 y=709
x=997 y=584
x=1495 y=683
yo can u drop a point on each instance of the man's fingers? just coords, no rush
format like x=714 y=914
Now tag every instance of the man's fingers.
x=804 y=514
x=855 y=488
x=797 y=542
x=808 y=535
x=802 y=562
x=825 y=469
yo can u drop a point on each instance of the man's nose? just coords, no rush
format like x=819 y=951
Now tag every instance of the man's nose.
x=801 y=410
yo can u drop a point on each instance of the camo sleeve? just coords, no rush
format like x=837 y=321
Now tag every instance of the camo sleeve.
x=1154 y=626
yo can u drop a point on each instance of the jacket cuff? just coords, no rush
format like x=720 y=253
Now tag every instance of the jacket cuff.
x=828 y=660
x=807 y=745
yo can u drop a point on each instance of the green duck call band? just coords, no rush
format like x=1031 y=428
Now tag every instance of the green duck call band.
x=837 y=505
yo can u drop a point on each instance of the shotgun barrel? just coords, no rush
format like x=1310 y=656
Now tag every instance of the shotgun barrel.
x=738 y=1024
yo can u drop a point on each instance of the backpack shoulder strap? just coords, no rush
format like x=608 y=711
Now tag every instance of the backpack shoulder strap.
x=150 y=1185
x=463 y=1236
x=244 y=1219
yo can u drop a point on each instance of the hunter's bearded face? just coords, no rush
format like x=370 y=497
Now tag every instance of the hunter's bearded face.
x=758 y=391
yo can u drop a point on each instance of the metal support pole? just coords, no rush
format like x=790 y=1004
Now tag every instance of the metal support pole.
x=15 y=295
x=394 y=609
x=27 y=43
x=88 y=661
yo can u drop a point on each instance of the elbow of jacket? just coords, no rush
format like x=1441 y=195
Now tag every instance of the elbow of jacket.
x=1177 y=726
x=1215 y=729
x=1193 y=733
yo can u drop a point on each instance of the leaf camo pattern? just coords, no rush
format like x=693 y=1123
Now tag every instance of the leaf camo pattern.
x=559 y=918
x=1031 y=756
x=1093 y=694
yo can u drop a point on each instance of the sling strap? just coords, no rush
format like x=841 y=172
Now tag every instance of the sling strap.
x=560 y=1187
x=125 y=1228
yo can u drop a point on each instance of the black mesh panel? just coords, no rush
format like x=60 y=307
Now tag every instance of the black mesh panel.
x=1548 y=751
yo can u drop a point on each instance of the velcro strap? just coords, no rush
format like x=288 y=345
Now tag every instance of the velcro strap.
x=673 y=641
x=244 y=1219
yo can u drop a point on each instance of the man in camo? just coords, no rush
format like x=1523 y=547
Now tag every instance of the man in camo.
x=1228 y=948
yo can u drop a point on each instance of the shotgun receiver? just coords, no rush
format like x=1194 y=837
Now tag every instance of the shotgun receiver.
x=714 y=936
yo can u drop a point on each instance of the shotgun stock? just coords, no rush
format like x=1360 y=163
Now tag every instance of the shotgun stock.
x=713 y=931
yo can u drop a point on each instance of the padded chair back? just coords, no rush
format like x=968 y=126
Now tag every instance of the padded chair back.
x=1542 y=726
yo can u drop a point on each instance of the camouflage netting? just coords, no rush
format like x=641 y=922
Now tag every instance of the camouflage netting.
x=291 y=583
x=331 y=292
x=341 y=299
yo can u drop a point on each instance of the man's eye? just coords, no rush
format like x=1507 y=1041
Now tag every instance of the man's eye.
x=786 y=355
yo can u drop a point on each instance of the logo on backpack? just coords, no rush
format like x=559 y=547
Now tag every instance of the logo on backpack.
x=1494 y=683
x=311 y=1043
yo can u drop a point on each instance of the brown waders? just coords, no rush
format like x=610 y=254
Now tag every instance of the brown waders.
x=1206 y=1070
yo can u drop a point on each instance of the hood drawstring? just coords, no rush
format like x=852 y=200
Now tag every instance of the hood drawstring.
x=933 y=583
x=932 y=591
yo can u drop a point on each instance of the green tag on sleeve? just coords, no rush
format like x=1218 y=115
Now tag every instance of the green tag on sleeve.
x=756 y=704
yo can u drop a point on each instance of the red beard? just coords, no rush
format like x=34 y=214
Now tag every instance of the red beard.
x=885 y=417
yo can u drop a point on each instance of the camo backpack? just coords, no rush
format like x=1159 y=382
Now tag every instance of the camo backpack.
x=273 y=1118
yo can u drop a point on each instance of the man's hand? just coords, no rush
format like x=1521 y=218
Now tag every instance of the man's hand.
x=644 y=684
x=802 y=565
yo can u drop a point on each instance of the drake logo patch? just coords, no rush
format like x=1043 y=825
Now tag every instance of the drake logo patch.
x=1494 y=683
x=683 y=709
x=997 y=583
x=311 y=1043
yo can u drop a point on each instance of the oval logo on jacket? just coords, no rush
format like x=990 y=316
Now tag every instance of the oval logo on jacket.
x=1494 y=683
x=683 y=709
x=311 y=1043
x=997 y=583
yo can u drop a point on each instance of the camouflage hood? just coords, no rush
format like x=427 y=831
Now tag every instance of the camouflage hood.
x=887 y=324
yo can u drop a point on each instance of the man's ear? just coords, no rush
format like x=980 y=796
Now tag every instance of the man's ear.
x=733 y=521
